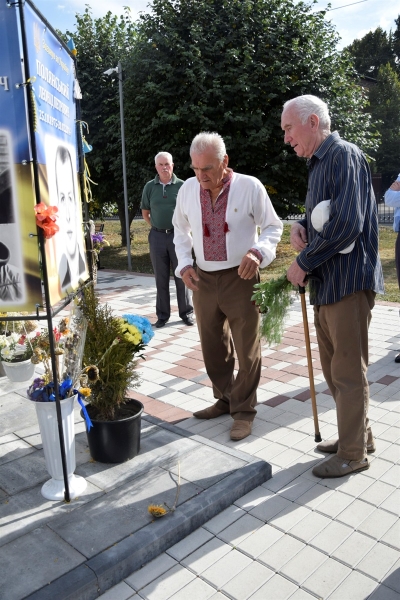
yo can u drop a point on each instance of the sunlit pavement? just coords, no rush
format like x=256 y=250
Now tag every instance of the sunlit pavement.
x=295 y=536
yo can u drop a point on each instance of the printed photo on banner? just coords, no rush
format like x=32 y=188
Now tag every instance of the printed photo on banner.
x=20 y=279
x=69 y=244
x=12 y=282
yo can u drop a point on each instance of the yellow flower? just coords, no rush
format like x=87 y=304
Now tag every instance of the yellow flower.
x=63 y=326
x=131 y=334
x=156 y=510
x=133 y=330
x=132 y=339
x=85 y=391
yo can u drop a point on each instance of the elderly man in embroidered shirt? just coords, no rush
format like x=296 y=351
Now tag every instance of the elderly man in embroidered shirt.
x=344 y=256
x=218 y=213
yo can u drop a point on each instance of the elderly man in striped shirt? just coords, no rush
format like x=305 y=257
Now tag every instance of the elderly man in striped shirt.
x=348 y=278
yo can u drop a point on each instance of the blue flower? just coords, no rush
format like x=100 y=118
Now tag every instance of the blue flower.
x=142 y=324
x=45 y=393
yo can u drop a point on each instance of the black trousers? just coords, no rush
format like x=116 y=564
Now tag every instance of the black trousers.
x=163 y=257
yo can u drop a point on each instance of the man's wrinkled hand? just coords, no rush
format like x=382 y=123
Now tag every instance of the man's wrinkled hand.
x=189 y=278
x=298 y=237
x=296 y=275
x=249 y=266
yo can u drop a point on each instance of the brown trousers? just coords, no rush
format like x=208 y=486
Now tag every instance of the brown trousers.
x=227 y=321
x=342 y=332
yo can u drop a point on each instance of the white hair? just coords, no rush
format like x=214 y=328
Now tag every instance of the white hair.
x=308 y=105
x=166 y=154
x=206 y=140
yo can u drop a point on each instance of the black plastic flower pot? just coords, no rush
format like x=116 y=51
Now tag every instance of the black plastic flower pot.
x=116 y=441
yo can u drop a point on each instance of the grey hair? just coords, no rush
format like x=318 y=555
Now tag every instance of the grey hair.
x=310 y=105
x=206 y=140
x=166 y=154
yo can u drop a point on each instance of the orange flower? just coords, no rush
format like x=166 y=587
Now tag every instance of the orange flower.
x=49 y=229
x=45 y=218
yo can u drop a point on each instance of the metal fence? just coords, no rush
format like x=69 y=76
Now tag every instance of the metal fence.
x=385 y=214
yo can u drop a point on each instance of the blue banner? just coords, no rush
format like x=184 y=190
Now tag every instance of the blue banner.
x=52 y=73
x=20 y=282
x=53 y=67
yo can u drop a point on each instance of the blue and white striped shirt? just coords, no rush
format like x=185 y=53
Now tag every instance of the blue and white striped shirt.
x=338 y=171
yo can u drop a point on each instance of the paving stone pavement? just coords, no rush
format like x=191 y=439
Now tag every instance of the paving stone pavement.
x=294 y=536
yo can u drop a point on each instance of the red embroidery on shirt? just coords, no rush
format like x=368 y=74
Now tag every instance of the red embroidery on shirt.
x=215 y=226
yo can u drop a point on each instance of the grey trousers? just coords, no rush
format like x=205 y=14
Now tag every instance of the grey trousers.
x=163 y=257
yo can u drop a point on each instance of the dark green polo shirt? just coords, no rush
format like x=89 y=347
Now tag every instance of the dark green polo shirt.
x=160 y=200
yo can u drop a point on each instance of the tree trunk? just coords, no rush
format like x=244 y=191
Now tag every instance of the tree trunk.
x=121 y=215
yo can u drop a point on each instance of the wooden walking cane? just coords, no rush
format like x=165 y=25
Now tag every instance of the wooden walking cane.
x=302 y=292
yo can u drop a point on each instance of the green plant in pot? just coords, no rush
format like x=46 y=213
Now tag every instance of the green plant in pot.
x=112 y=344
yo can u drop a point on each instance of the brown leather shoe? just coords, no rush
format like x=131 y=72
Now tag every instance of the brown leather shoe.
x=240 y=429
x=212 y=412
x=339 y=467
x=331 y=446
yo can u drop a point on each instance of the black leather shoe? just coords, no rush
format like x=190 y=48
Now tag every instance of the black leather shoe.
x=397 y=359
x=160 y=323
x=188 y=321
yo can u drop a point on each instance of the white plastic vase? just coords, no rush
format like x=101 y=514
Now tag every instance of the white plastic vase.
x=48 y=426
x=20 y=371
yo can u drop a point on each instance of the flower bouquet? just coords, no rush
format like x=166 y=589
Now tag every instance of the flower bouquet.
x=273 y=298
x=16 y=350
x=99 y=243
x=68 y=341
x=112 y=344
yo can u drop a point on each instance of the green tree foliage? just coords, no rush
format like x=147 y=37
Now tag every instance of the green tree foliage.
x=228 y=66
x=385 y=107
x=377 y=55
x=372 y=51
x=100 y=44
x=396 y=43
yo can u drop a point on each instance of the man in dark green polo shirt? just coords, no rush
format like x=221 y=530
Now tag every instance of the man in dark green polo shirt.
x=158 y=205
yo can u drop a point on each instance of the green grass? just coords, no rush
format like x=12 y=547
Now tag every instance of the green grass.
x=115 y=257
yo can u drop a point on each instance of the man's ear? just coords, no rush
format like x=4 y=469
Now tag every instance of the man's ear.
x=314 y=121
x=226 y=160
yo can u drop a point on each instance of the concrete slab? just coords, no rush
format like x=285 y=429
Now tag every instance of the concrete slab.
x=15 y=412
x=75 y=550
x=34 y=559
